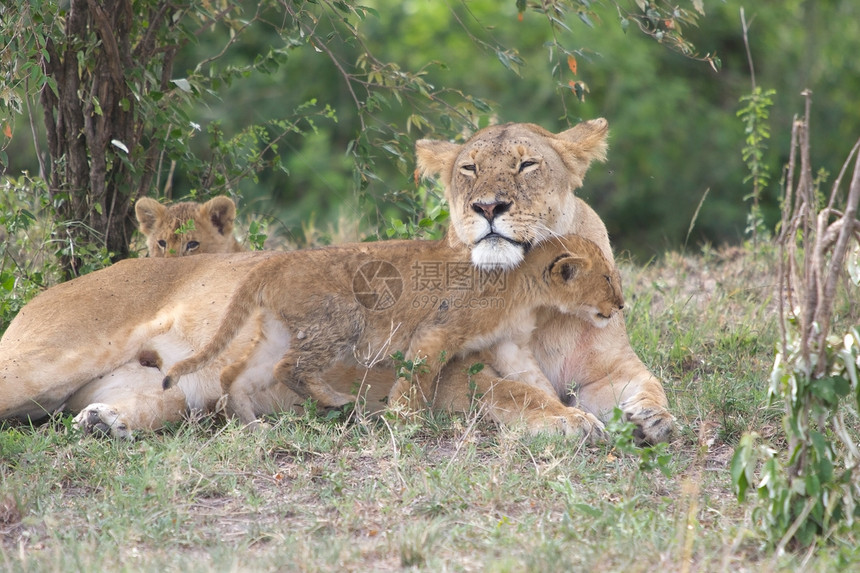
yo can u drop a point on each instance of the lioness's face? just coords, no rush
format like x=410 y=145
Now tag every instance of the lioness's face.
x=511 y=186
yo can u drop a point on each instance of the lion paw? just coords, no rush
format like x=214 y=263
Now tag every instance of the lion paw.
x=103 y=420
x=654 y=423
x=257 y=426
x=584 y=424
x=574 y=423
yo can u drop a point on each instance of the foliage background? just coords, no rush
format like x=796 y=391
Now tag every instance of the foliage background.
x=674 y=138
x=674 y=133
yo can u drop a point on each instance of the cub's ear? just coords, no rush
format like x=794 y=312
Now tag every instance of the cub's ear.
x=434 y=157
x=148 y=212
x=567 y=268
x=221 y=211
x=582 y=144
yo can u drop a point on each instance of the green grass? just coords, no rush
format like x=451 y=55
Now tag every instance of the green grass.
x=445 y=494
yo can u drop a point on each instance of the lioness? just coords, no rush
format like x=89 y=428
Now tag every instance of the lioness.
x=509 y=186
x=187 y=228
x=351 y=301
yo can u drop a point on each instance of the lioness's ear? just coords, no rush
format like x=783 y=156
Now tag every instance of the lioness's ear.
x=148 y=212
x=221 y=211
x=435 y=157
x=566 y=268
x=582 y=144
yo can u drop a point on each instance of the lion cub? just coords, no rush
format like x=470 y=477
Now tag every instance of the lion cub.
x=168 y=233
x=361 y=302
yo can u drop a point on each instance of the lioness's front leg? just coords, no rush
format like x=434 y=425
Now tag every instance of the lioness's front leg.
x=604 y=372
x=510 y=402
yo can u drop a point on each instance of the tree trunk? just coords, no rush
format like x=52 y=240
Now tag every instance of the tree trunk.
x=98 y=166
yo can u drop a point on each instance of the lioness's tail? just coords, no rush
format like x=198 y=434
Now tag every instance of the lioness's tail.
x=244 y=301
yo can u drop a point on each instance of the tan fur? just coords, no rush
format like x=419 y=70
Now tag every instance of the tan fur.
x=206 y=227
x=325 y=322
x=100 y=344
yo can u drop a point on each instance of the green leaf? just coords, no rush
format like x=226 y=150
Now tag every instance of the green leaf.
x=583 y=15
x=587 y=509
x=813 y=485
x=825 y=471
x=741 y=465
x=182 y=84
x=481 y=105
x=475 y=368
x=829 y=390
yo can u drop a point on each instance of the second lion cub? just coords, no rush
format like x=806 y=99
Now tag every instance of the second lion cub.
x=360 y=302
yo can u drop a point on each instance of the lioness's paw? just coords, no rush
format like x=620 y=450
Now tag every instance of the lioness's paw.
x=584 y=424
x=257 y=425
x=103 y=420
x=574 y=423
x=654 y=423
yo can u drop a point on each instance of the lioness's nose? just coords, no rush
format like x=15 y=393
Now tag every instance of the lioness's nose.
x=491 y=210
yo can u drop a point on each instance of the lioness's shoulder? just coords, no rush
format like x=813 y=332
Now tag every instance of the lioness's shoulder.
x=187 y=228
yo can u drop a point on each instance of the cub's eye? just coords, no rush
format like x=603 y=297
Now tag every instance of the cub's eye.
x=470 y=167
x=526 y=164
x=191 y=245
x=162 y=243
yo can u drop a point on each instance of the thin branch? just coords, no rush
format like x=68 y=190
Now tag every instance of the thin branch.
x=32 y=119
x=233 y=37
x=838 y=182
x=347 y=77
x=806 y=197
x=746 y=27
x=823 y=313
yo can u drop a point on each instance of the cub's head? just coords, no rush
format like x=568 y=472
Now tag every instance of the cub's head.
x=187 y=228
x=511 y=186
x=579 y=278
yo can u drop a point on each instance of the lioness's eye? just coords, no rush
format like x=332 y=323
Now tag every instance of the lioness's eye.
x=526 y=164
x=162 y=243
x=191 y=245
x=470 y=167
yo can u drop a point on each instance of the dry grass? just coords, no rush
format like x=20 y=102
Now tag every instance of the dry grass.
x=445 y=494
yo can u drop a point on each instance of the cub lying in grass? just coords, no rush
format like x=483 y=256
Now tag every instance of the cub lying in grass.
x=359 y=303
